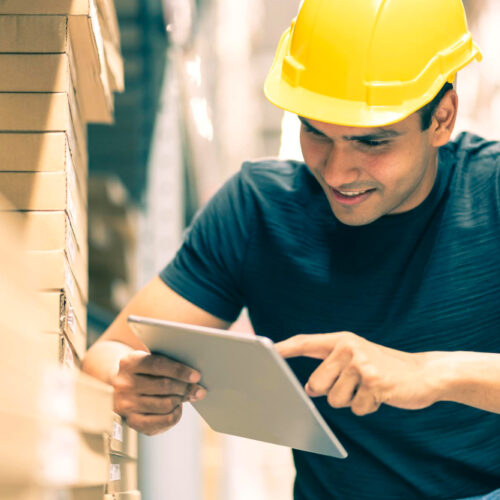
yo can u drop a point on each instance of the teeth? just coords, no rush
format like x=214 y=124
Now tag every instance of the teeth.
x=353 y=194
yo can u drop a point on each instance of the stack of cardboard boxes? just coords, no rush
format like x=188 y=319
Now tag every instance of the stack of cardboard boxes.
x=56 y=421
x=123 y=462
x=60 y=63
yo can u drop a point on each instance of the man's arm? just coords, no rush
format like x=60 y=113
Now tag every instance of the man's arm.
x=362 y=375
x=149 y=390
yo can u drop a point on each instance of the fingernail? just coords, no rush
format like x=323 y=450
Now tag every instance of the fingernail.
x=195 y=377
x=199 y=394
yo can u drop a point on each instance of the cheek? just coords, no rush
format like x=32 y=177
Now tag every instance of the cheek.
x=391 y=169
x=315 y=153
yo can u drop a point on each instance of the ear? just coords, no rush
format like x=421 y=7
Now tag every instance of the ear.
x=443 y=121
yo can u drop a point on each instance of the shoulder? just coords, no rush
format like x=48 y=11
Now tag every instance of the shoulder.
x=280 y=178
x=475 y=156
x=476 y=179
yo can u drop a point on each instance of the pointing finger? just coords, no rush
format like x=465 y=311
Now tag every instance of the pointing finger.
x=316 y=346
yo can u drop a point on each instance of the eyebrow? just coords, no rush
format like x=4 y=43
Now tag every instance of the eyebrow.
x=382 y=133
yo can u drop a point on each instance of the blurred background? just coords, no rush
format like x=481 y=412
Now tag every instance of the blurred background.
x=193 y=110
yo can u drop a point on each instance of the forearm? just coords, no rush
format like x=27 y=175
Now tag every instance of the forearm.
x=468 y=378
x=103 y=358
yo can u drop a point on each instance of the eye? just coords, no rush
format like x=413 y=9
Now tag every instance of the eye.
x=374 y=143
x=315 y=133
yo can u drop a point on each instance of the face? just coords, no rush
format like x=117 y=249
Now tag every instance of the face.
x=367 y=173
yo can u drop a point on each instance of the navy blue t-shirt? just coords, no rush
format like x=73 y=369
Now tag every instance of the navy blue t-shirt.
x=424 y=280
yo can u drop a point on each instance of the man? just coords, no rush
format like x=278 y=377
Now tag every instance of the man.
x=375 y=265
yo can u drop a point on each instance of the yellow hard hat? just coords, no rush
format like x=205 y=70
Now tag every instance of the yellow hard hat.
x=368 y=63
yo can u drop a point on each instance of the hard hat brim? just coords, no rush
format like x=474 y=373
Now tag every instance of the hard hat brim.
x=327 y=109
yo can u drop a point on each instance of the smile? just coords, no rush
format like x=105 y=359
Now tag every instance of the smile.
x=351 y=197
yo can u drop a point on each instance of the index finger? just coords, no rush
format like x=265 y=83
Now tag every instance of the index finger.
x=316 y=346
x=162 y=366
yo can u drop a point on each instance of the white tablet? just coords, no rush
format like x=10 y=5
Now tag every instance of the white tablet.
x=251 y=390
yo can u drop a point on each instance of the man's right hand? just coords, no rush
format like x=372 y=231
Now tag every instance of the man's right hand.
x=150 y=390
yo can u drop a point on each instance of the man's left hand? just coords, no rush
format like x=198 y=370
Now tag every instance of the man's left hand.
x=359 y=374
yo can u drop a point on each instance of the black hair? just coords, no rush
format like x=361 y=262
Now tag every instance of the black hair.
x=427 y=112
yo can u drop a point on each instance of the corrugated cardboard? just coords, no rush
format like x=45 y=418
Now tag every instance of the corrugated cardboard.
x=42 y=73
x=54 y=7
x=115 y=67
x=55 y=273
x=46 y=191
x=86 y=35
x=52 y=347
x=129 y=495
x=33 y=34
x=43 y=112
x=38 y=452
x=50 y=231
x=76 y=342
x=35 y=386
x=57 y=349
x=64 y=309
x=110 y=28
x=43 y=231
x=40 y=493
x=124 y=440
x=77 y=97
x=61 y=316
x=87 y=41
x=112 y=49
x=16 y=293
x=122 y=475
x=43 y=152
x=34 y=73
x=97 y=103
x=15 y=353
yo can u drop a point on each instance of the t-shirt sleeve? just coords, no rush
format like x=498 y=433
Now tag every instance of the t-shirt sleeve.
x=207 y=269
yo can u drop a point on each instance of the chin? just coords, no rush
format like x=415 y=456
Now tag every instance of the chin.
x=355 y=219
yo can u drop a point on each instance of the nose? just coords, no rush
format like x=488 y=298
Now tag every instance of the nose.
x=339 y=168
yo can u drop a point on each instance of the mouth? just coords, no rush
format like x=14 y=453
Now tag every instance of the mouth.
x=350 y=198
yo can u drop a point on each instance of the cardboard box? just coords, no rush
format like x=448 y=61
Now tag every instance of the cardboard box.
x=112 y=49
x=33 y=34
x=37 y=452
x=109 y=21
x=42 y=388
x=115 y=67
x=45 y=231
x=23 y=72
x=46 y=191
x=19 y=350
x=35 y=73
x=47 y=7
x=123 y=439
x=122 y=475
x=17 y=295
x=65 y=309
x=86 y=36
x=129 y=495
x=44 y=152
x=56 y=273
x=48 y=232
x=56 y=349
x=76 y=341
x=43 y=112
x=61 y=316
x=97 y=102
x=41 y=493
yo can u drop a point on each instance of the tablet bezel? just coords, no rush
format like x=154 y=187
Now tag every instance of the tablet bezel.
x=137 y=323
